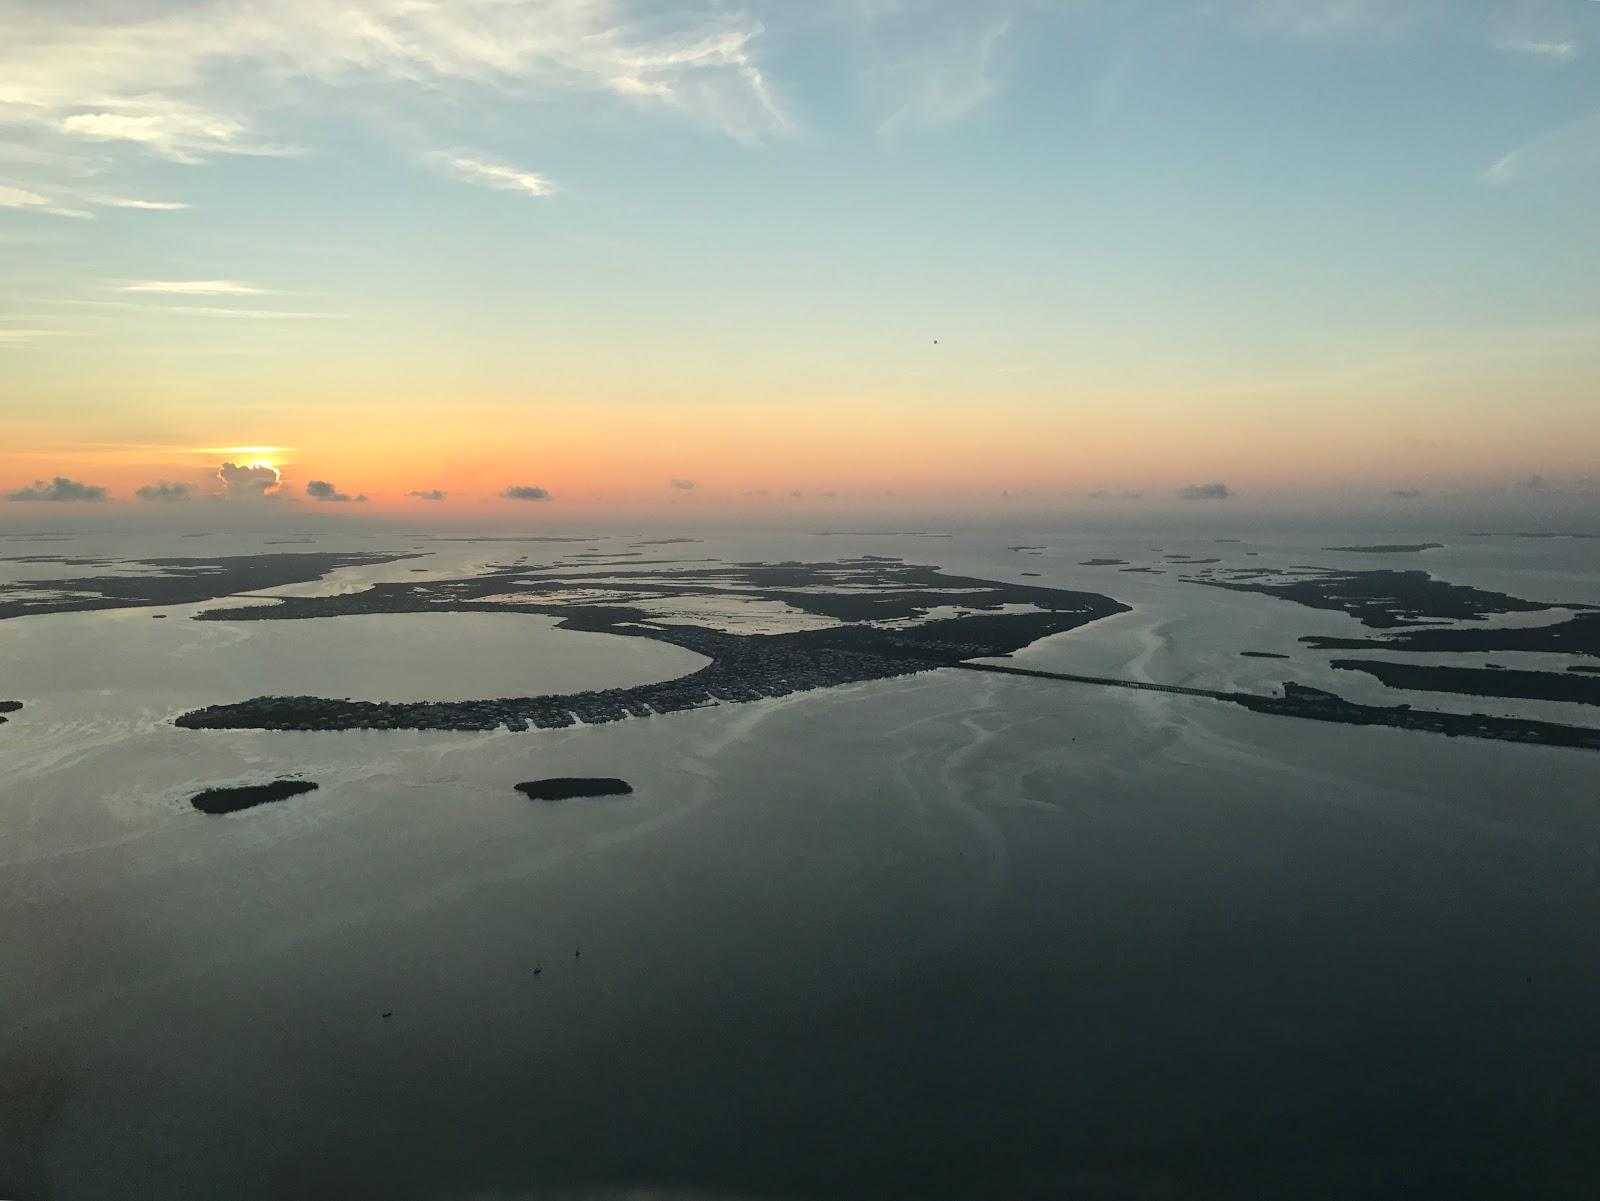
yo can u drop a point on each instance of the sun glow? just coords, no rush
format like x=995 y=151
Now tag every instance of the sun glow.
x=270 y=457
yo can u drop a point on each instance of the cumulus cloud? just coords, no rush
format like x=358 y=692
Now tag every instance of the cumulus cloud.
x=164 y=491
x=248 y=481
x=430 y=494
x=324 y=491
x=1533 y=483
x=683 y=485
x=1206 y=492
x=60 y=488
x=525 y=492
x=1406 y=493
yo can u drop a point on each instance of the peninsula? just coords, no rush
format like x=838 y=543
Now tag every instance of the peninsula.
x=880 y=620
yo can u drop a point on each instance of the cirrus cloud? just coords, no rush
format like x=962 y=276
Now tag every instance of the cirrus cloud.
x=487 y=172
x=194 y=81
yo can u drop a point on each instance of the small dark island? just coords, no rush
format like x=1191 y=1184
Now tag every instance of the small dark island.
x=216 y=801
x=8 y=707
x=1386 y=599
x=562 y=788
x=1262 y=655
x=1102 y=563
x=1388 y=548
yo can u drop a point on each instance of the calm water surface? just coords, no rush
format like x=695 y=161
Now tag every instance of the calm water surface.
x=949 y=936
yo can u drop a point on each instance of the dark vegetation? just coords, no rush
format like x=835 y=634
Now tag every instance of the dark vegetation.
x=1578 y=635
x=217 y=801
x=1388 y=548
x=561 y=788
x=1480 y=681
x=176 y=582
x=1316 y=705
x=741 y=668
x=1383 y=599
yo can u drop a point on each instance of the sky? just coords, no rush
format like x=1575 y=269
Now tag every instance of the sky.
x=559 y=256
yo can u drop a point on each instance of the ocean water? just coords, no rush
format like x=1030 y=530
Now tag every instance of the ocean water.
x=953 y=935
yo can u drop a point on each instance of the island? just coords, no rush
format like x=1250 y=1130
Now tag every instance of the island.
x=562 y=788
x=1383 y=599
x=1479 y=681
x=1578 y=635
x=869 y=620
x=8 y=707
x=1262 y=655
x=218 y=801
x=856 y=621
x=177 y=581
x=1388 y=548
x=1102 y=563
x=1315 y=704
